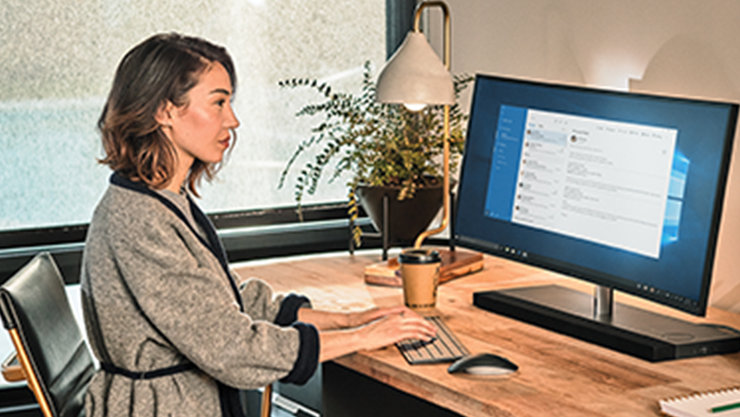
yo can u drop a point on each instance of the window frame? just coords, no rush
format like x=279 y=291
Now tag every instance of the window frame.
x=246 y=235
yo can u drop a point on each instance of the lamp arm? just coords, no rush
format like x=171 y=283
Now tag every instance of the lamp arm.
x=445 y=184
x=447 y=30
x=446 y=137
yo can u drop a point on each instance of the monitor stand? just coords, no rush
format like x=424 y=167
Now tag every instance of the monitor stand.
x=597 y=319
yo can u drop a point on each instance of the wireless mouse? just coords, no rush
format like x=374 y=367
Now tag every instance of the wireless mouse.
x=483 y=364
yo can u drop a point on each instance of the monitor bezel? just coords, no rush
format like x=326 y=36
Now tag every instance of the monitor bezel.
x=601 y=278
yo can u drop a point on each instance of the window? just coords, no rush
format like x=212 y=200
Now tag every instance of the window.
x=58 y=60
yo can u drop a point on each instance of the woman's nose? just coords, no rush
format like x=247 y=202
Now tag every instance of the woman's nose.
x=231 y=121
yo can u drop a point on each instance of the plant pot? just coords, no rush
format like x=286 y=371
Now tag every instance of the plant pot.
x=408 y=217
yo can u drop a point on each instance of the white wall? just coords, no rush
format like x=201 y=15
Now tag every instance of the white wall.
x=685 y=47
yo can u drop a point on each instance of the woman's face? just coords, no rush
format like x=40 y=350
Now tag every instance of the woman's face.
x=202 y=128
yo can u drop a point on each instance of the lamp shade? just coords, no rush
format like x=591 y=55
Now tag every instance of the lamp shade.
x=415 y=74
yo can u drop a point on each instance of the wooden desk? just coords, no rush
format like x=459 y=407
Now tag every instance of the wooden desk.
x=558 y=375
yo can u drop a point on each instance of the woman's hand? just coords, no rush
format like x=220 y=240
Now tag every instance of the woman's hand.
x=396 y=325
x=383 y=327
x=326 y=320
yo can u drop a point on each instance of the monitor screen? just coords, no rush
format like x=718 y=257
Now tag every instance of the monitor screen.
x=620 y=189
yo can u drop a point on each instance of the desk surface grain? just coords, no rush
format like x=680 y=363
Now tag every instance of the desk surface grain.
x=558 y=375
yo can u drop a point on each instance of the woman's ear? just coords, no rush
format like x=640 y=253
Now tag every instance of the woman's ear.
x=164 y=114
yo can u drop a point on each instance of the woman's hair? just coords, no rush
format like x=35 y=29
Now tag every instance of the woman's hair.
x=162 y=68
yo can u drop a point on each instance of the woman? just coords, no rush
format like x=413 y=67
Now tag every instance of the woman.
x=174 y=332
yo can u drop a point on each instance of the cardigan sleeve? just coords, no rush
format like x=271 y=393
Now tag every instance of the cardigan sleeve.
x=260 y=303
x=185 y=295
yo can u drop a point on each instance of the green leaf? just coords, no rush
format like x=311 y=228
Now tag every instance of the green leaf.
x=378 y=143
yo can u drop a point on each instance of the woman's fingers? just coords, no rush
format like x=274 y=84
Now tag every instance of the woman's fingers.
x=413 y=326
x=396 y=328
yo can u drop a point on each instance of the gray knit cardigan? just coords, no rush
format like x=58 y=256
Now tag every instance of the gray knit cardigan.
x=155 y=294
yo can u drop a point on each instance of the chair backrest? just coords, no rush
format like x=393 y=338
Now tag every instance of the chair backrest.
x=48 y=341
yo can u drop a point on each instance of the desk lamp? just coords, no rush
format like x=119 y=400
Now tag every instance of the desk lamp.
x=415 y=77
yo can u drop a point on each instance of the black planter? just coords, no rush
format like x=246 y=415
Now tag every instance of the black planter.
x=408 y=217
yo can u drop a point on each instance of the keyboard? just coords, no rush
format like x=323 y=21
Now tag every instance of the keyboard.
x=444 y=348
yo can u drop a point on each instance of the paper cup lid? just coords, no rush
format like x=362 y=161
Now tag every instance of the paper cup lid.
x=419 y=256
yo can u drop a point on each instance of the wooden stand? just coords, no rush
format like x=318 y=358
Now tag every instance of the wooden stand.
x=455 y=264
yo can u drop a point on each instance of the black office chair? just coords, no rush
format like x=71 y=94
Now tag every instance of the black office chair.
x=51 y=353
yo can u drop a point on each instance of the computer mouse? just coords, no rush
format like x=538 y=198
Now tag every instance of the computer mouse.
x=483 y=364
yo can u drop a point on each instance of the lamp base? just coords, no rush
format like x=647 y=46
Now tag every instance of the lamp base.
x=455 y=264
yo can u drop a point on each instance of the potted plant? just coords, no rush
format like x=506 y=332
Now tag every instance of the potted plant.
x=388 y=149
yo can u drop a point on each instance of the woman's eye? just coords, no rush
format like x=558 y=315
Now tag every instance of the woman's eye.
x=220 y=103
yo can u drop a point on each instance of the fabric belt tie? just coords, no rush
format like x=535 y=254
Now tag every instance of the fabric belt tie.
x=228 y=396
x=170 y=370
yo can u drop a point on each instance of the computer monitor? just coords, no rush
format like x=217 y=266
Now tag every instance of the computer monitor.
x=620 y=189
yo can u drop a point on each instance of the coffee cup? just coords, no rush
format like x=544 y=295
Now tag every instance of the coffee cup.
x=420 y=276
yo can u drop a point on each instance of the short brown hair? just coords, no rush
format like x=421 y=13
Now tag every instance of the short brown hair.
x=160 y=69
